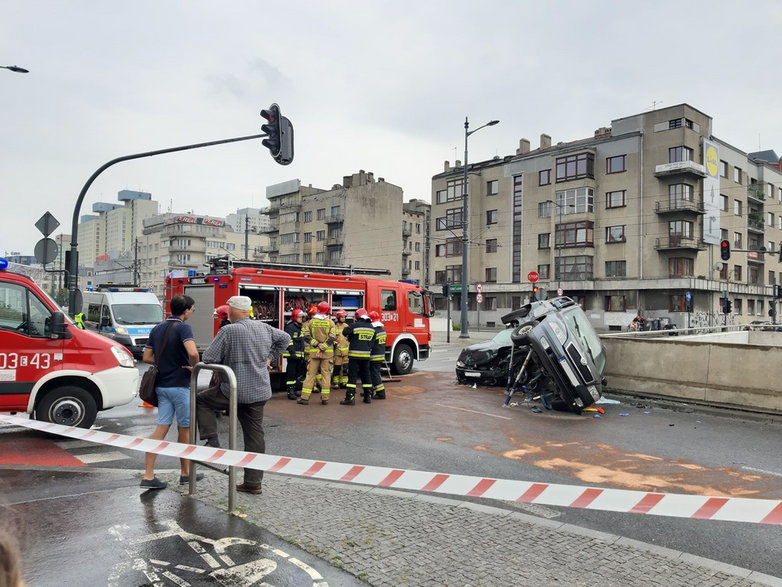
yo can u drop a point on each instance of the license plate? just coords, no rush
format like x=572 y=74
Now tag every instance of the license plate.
x=471 y=374
x=593 y=392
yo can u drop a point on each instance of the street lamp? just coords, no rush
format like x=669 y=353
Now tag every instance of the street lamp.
x=557 y=267
x=463 y=332
x=15 y=68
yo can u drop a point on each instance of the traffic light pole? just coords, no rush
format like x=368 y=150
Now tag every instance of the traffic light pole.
x=73 y=261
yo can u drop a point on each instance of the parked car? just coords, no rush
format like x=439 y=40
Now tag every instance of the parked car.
x=554 y=354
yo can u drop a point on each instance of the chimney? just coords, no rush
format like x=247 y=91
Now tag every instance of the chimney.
x=523 y=147
x=447 y=167
x=457 y=163
x=545 y=141
x=602 y=131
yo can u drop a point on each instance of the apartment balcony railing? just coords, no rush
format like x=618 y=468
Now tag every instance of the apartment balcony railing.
x=668 y=207
x=680 y=167
x=677 y=242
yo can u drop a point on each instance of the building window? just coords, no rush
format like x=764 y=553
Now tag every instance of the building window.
x=452 y=219
x=675 y=123
x=544 y=240
x=417 y=247
x=289 y=238
x=737 y=239
x=544 y=209
x=440 y=196
x=491 y=275
x=616 y=164
x=307 y=258
x=320 y=258
x=417 y=265
x=577 y=268
x=575 y=201
x=308 y=216
x=321 y=214
x=723 y=168
x=676 y=154
x=544 y=177
x=307 y=237
x=616 y=268
x=452 y=192
x=576 y=167
x=678 y=193
x=616 y=199
x=574 y=234
x=737 y=174
x=615 y=234
x=544 y=270
x=770 y=218
x=453 y=247
x=453 y=273
x=737 y=306
x=680 y=267
x=335 y=211
x=492 y=187
x=491 y=217
x=491 y=245
x=723 y=202
x=615 y=304
x=737 y=207
x=321 y=235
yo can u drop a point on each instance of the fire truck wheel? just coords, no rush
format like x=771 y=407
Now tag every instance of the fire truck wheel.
x=403 y=359
x=67 y=405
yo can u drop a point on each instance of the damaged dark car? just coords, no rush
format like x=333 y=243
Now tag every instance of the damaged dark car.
x=548 y=352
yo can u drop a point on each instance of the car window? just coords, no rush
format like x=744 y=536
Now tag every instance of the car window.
x=23 y=312
x=128 y=314
x=503 y=336
x=580 y=326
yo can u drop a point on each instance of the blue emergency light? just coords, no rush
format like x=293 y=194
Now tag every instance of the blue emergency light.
x=3 y=264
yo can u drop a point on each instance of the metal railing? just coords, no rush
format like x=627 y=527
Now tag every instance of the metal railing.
x=230 y=377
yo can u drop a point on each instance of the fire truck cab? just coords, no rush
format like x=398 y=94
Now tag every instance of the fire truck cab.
x=404 y=307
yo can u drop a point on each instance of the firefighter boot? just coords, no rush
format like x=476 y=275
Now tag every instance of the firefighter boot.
x=292 y=392
x=350 y=398
x=380 y=392
x=367 y=395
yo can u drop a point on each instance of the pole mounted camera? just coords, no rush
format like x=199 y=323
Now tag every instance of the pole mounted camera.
x=279 y=131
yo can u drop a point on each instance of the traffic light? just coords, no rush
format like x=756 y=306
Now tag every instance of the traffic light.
x=446 y=290
x=780 y=251
x=280 y=135
x=778 y=291
x=535 y=290
x=725 y=251
x=727 y=306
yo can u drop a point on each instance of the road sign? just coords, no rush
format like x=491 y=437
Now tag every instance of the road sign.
x=479 y=287
x=479 y=298
x=533 y=276
x=46 y=250
x=560 y=291
x=47 y=224
x=455 y=288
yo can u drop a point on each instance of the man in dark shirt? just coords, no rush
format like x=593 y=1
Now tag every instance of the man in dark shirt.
x=247 y=347
x=171 y=347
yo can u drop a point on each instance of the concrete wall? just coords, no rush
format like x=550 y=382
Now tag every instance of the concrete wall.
x=733 y=373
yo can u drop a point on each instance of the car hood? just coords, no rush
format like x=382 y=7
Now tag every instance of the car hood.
x=481 y=353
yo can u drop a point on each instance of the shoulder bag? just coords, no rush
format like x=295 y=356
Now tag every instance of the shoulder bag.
x=146 y=390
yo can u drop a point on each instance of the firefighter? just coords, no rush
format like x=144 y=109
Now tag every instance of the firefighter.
x=221 y=313
x=319 y=334
x=361 y=337
x=294 y=353
x=340 y=376
x=79 y=320
x=378 y=356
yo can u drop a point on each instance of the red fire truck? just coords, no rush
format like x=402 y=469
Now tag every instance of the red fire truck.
x=277 y=289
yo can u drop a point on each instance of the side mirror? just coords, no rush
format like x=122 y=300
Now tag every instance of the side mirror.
x=60 y=326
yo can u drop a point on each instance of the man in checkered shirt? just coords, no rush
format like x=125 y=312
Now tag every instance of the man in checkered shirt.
x=248 y=348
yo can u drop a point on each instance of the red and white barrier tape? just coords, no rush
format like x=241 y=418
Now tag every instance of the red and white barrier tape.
x=729 y=509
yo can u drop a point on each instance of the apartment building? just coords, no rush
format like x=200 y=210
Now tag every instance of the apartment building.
x=627 y=220
x=361 y=222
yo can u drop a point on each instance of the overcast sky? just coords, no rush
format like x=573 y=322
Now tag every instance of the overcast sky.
x=383 y=87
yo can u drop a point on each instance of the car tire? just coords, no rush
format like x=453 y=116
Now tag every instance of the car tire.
x=68 y=405
x=521 y=332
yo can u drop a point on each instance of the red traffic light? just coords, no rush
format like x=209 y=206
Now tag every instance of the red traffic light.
x=725 y=250
x=536 y=289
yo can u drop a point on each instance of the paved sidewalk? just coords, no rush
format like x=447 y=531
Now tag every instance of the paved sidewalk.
x=392 y=537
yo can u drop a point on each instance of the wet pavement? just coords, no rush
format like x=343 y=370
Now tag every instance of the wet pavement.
x=97 y=527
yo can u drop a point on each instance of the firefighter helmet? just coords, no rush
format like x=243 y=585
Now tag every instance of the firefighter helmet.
x=297 y=313
x=221 y=312
x=324 y=308
x=340 y=314
x=374 y=316
x=312 y=309
x=361 y=313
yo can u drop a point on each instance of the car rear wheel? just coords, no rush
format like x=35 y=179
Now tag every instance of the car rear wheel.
x=68 y=405
x=520 y=334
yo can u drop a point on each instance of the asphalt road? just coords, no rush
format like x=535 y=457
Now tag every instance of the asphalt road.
x=431 y=423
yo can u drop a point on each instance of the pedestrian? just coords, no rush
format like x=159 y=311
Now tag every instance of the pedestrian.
x=378 y=356
x=10 y=561
x=294 y=353
x=171 y=347
x=339 y=378
x=319 y=334
x=361 y=338
x=79 y=320
x=248 y=348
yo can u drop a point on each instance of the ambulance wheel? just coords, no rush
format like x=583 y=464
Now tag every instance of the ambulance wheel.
x=67 y=405
x=403 y=360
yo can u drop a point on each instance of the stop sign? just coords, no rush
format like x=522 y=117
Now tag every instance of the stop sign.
x=533 y=276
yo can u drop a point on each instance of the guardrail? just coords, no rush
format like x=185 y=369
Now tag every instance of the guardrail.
x=232 y=410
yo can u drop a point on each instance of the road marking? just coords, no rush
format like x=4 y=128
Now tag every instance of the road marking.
x=473 y=411
x=764 y=471
x=101 y=457
x=726 y=509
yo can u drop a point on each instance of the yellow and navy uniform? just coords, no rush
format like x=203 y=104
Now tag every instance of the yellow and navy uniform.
x=319 y=334
x=361 y=339
x=294 y=355
x=340 y=377
x=376 y=360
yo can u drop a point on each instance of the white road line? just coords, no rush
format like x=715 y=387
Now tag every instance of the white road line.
x=474 y=412
x=69 y=444
x=101 y=457
x=764 y=471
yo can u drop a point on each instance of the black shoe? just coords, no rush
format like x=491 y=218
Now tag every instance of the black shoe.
x=153 y=483
x=379 y=396
x=291 y=395
x=249 y=488
x=214 y=442
x=184 y=479
x=348 y=402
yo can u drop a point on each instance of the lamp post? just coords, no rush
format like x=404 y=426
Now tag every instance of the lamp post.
x=463 y=332
x=15 y=68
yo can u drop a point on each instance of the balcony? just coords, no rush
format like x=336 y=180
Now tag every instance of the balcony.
x=756 y=192
x=337 y=218
x=756 y=256
x=335 y=241
x=406 y=253
x=676 y=242
x=407 y=231
x=405 y=272
x=268 y=229
x=679 y=168
x=198 y=246
x=755 y=223
x=266 y=249
x=669 y=207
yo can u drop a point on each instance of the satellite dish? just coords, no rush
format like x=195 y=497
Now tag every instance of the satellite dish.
x=717 y=266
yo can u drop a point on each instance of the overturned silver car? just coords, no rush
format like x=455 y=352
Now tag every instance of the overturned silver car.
x=555 y=355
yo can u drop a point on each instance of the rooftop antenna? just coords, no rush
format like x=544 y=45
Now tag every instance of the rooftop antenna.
x=655 y=103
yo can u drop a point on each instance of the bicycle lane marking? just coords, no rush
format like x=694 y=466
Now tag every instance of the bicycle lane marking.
x=734 y=509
